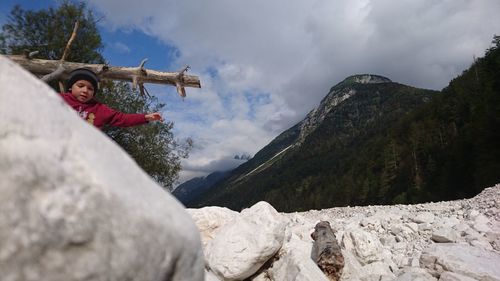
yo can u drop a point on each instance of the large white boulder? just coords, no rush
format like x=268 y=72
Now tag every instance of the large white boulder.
x=75 y=206
x=243 y=245
x=210 y=219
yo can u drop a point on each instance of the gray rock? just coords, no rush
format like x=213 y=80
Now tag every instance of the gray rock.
x=414 y=274
x=481 y=223
x=452 y=276
x=444 y=235
x=425 y=217
x=294 y=262
x=462 y=259
x=365 y=246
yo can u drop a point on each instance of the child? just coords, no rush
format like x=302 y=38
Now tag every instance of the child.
x=81 y=86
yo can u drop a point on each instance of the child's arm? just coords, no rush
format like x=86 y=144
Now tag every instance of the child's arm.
x=120 y=119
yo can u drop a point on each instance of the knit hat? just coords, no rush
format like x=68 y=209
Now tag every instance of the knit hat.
x=83 y=74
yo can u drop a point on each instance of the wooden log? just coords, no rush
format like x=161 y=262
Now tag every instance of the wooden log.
x=326 y=252
x=42 y=67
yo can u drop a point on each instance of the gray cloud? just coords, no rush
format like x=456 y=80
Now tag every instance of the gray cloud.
x=296 y=50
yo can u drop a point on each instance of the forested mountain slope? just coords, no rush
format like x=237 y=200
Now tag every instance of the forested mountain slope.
x=373 y=141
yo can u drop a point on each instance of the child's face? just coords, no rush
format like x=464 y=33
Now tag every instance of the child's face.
x=82 y=90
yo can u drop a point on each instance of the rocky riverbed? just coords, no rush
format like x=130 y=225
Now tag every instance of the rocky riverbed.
x=453 y=240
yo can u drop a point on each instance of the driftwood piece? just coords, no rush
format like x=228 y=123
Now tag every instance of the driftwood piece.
x=139 y=75
x=326 y=252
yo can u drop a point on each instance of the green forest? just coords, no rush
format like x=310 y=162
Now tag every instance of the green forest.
x=384 y=146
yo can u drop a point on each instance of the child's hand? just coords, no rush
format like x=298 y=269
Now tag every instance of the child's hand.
x=156 y=116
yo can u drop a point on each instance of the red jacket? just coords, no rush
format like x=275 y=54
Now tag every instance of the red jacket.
x=99 y=114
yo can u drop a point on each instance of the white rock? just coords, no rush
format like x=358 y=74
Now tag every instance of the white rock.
x=481 y=243
x=388 y=240
x=295 y=262
x=462 y=259
x=447 y=222
x=377 y=271
x=73 y=205
x=424 y=217
x=481 y=223
x=452 y=276
x=352 y=268
x=210 y=219
x=415 y=274
x=424 y=226
x=412 y=226
x=461 y=228
x=239 y=249
x=372 y=222
x=365 y=246
x=444 y=235
x=209 y=276
x=415 y=259
x=472 y=214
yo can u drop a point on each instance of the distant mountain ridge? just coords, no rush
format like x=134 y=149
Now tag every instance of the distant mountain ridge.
x=193 y=188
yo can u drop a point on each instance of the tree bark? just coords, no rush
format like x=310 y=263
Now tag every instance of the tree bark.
x=42 y=67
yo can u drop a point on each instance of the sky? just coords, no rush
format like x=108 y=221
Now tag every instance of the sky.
x=264 y=65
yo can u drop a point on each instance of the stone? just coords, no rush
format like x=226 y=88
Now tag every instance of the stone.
x=240 y=248
x=365 y=246
x=209 y=276
x=472 y=214
x=481 y=223
x=412 y=226
x=444 y=235
x=210 y=219
x=73 y=205
x=415 y=274
x=294 y=262
x=377 y=271
x=462 y=259
x=452 y=276
x=424 y=217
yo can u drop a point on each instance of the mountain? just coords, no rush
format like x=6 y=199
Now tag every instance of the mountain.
x=372 y=141
x=299 y=159
x=193 y=188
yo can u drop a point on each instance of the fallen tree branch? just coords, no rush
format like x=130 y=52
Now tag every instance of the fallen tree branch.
x=42 y=67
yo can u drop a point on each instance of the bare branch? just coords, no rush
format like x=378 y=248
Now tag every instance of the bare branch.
x=70 y=41
x=53 y=75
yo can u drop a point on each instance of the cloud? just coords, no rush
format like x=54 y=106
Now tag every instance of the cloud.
x=265 y=64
